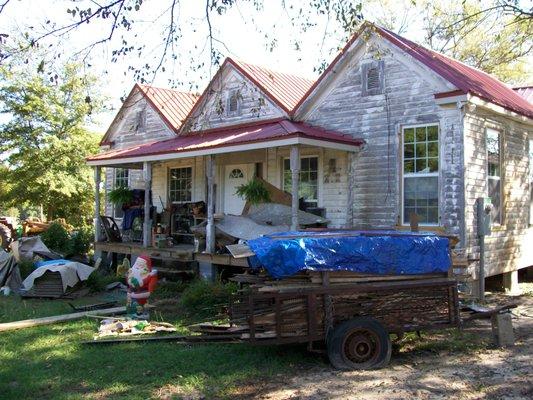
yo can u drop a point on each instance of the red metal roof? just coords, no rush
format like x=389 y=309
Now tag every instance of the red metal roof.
x=465 y=78
x=173 y=105
x=287 y=89
x=230 y=136
x=283 y=89
x=526 y=92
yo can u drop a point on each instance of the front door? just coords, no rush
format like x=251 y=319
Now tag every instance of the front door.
x=234 y=176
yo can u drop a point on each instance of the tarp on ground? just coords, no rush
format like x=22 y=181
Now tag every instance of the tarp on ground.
x=71 y=273
x=369 y=252
x=9 y=272
x=24 y=248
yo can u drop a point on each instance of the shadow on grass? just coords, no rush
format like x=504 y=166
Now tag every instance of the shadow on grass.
x=49 y=362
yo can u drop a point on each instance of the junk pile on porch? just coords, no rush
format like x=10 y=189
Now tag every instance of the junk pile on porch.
x=260 y=219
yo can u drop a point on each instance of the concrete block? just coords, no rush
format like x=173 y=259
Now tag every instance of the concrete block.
x=510 y=283
x=207 y=271
x=502 y=330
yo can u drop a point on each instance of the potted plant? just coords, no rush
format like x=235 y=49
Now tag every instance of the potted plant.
x=254 y=192
x=120 y=195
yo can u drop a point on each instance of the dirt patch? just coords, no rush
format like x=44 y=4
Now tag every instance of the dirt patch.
x=438 y=366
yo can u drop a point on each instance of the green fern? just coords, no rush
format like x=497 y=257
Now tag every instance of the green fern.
x=120 y=195
x=254 y=192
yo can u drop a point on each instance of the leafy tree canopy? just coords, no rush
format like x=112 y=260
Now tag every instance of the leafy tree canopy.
x=494 y=35
x=44 y=141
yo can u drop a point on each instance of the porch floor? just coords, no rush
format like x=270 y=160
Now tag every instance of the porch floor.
x=181 y=252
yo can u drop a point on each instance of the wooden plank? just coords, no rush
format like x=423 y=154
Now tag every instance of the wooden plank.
x=28 y=323
x=240 y=250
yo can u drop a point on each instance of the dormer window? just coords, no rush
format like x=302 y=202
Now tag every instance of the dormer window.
x=372 y=78
x=233 y=106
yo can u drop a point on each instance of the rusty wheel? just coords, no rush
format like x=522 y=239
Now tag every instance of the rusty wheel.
x=360 y=343
x=361 y=346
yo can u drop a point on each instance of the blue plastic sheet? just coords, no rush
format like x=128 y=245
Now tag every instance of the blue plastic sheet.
x=369 y=252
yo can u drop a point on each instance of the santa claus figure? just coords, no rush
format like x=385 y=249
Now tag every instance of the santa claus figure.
x=141 y=279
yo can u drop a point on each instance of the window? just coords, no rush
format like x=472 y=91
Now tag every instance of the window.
x=420 y=163
x=308 y=187
x=236 y=174
x=232 y=106
x=180 y=184
x=122 y=178
x=494 y=174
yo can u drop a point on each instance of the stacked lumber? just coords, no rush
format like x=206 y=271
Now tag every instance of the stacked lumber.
x=263 y=283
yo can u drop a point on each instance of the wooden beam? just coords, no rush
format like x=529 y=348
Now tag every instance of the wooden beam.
x=97 y=180
x=147 y=227
x=28 y=323
x=210 y=228
x=295 y=172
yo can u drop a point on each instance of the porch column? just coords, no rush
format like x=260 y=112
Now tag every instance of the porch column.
x=295 y=172
x=147 y=228
x=97 y=179
x=210 y=228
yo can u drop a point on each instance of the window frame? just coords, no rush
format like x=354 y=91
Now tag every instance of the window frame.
x=419 y=175
x=115 y=206
x=318 y=179
x=169 y=170
x=501 y=178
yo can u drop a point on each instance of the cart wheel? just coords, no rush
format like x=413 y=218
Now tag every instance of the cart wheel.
x=359 y=343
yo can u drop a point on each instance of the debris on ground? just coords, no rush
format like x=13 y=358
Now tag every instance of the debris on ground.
x=124 y=327
x=53 y=279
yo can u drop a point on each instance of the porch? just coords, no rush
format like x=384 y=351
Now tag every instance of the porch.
x=310 y=164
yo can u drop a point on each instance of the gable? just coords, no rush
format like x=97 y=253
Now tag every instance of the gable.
x=214 y=108
x=363 y=67
x=137 y=122
x=368 y=53
x=464 y=79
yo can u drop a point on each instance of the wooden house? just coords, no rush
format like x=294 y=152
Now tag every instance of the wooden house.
x=389 y=129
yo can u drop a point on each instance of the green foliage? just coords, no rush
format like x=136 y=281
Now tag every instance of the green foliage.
x=26 y=267
x=57 y=238
x=254 y=192
x=120 y=195
x=206 y=298
x=45 y=141
x=97 y=282
x=82 y=240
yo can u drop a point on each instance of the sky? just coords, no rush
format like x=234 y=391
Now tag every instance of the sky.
x=242 y=32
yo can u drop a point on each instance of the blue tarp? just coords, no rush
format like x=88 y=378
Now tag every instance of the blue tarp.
x=369 y=252
x=51 y=262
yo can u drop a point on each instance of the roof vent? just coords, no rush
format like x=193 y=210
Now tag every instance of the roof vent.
x=232 y=105
x=372 y=78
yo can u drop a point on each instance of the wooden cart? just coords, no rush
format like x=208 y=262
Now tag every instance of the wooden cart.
x=354 y=321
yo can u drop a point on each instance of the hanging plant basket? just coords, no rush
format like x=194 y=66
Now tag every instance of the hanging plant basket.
x=120 y=195
x=254 y=192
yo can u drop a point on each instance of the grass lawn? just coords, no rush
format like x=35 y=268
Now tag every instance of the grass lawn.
x=48 y=362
